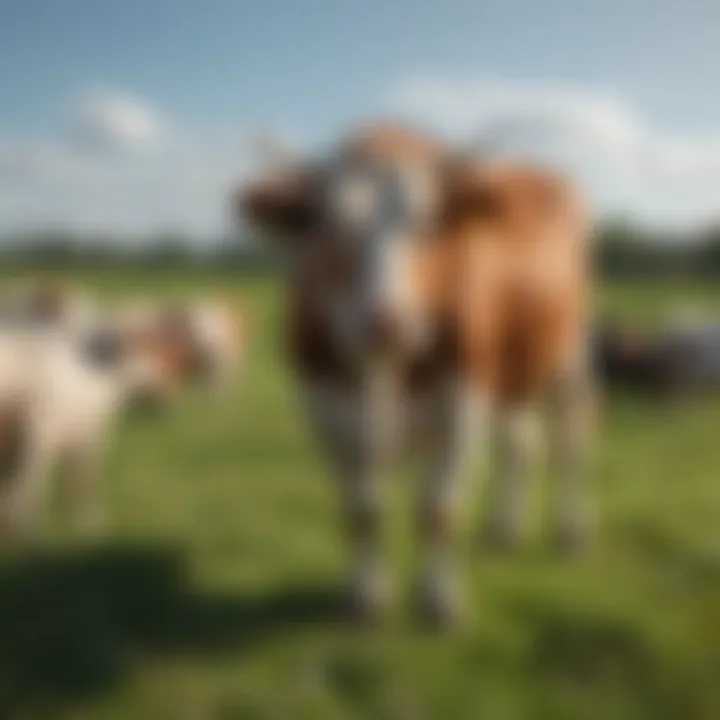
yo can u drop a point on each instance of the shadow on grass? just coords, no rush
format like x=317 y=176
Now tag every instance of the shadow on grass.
x=587 y=645
x=71 y=625
x=598 y=653
x=588 y=659
x=673 y=559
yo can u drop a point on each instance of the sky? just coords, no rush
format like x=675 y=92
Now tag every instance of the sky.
x=139 y=117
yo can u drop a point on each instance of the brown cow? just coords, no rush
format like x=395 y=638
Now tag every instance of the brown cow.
x=431 y=292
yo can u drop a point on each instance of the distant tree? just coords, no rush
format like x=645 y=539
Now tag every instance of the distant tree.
x=708 y=251
x=169 y=248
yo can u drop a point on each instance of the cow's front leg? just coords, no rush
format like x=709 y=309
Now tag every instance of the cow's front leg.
x=462 y=423
x=369 y=591
x=25 y=489
x=358 y=432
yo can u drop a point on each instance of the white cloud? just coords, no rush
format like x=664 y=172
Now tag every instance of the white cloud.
x=55 y=184
x=627 y=164
x=123 y=168
x=473 y=108
x=118 y=120
x=99 y=177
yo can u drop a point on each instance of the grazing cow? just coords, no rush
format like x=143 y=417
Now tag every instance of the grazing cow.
x=692 y=339
x=627 y=358
x=59 y=395
x=431 y=292
x=217 y=330
x=665 y=364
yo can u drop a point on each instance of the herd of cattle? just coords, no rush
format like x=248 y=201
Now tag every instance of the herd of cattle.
x=436 y=300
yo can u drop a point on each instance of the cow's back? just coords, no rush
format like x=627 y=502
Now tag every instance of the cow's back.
x=524 y=270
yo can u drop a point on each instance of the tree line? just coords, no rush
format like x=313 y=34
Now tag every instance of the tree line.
x=620 y=249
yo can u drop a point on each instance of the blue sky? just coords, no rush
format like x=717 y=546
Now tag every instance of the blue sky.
x=130 y=116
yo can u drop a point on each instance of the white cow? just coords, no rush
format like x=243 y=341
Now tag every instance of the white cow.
x=59 y=395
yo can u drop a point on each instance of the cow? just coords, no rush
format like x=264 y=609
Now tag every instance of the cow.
x=60 y=394
x=691 y=338
x=672 y=362
x=217 y=329
x=432 y=293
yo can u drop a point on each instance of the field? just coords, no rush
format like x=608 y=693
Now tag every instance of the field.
x=211 y=594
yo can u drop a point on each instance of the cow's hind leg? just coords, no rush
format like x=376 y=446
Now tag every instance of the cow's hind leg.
x=517 y=437
x=572 y=416
x=462 y=423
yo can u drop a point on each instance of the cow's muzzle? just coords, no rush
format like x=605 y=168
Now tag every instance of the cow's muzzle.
x=383 y=332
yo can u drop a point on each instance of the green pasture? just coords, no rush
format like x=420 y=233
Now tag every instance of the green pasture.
x=212 y=594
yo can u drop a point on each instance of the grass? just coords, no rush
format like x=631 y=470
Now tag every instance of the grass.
x=211 y=594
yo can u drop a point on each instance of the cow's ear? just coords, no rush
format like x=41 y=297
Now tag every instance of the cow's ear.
x=286 y=206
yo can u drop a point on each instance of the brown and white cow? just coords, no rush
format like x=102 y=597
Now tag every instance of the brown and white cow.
x=430 y=293
x=217 y=329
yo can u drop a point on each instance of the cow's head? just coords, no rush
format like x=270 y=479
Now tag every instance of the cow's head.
x=152 y=357
x=365 y=216
x=216 y=328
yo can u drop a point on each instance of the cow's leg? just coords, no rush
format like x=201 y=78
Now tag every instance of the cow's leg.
x=26 y=487
x=517 y=432
x=572 y=415
x=463 y=420
x=356 y=435
x=369 y=585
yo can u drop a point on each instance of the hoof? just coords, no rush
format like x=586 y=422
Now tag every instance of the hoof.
x=440 y=607
x=367 y=605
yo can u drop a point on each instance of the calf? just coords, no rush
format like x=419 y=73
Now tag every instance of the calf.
x=430 y=293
